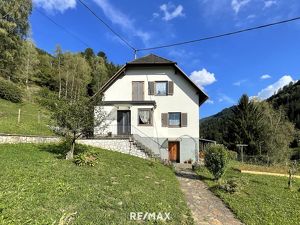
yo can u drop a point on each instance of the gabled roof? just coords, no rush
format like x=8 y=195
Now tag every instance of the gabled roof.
x=154 y=60
x=151 y=59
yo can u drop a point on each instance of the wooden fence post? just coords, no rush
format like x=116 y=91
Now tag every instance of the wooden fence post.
x=39 y=117
x=19 y=116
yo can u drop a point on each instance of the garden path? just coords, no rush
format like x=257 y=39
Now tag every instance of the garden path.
x=207 y=209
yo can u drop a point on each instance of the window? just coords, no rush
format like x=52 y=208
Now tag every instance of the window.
x=145 y=117
x=174 y=119
x=161 y=88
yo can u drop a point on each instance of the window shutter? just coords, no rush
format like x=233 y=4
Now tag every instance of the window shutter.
x=137 y=91
x=164 y=119
x=170 y=88
x=150 y=88
x=184 y=119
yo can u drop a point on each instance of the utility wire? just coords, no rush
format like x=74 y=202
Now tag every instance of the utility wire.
x=63 y=28
x=108 y=26
x=219 y=35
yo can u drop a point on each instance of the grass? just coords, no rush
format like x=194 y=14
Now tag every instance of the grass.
x=282 y=169
x=39 y=188
x=29 y=123
x=262 y=200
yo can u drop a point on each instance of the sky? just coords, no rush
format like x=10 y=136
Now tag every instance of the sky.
x=257 y=63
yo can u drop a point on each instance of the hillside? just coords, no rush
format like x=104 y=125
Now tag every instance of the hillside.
x=216 y=127
x=33 y=118
x=289 y=98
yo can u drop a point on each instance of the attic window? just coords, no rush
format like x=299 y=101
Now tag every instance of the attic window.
x=161 y=88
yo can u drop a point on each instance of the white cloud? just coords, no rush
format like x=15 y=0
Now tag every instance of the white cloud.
x=273 y=88
x=227 y=99
x=251 y=16
x=55 y=5
x=170 y=11
x=121 y=19
x=203 y=78
x=238 y=4
x=270 y=3
x=238 y=83
x=265 y=76
x=208 y=101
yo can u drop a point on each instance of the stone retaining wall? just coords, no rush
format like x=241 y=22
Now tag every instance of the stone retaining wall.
x=15 y=139
x=119 y=145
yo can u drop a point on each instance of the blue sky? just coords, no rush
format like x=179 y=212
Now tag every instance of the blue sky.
x=256 y=63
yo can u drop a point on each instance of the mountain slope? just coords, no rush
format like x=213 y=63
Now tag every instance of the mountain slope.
x=216 y=127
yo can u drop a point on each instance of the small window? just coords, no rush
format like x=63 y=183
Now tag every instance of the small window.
x=161 y=88
x=145 y=117
x=174 y=119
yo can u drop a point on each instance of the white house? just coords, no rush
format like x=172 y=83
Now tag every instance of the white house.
x=152 y=101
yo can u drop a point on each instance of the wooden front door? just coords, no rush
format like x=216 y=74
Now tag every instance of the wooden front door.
x=174 y=151
x=124 y=122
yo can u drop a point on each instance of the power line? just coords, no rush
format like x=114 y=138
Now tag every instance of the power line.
x=108 y=26
x=219 y=35
x=63 y=28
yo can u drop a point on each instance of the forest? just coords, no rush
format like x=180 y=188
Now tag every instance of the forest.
x=259 y=125
x=23 y=66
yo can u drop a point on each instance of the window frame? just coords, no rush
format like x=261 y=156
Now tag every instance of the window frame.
x=151 y=117
x=161 y=81
x=169 y=120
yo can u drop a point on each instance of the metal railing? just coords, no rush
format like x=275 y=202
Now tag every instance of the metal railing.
x=142 y=140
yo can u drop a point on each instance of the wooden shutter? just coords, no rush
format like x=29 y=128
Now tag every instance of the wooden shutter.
x=134 y=91
x=164 y=119
x=184 y=119
x=137 y=91
x=170 y=88
x=150 y=88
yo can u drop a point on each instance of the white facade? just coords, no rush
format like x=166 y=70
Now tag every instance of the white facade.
x=184 y=99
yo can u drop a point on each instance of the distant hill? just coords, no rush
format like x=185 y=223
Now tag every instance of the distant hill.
x=216 y=127
x=289 y=98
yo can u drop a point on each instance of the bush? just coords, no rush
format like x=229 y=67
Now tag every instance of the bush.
x=234 y=185
x=85 y=159
x=10 y=91
x=232 y=155
x=47 y=98
x=216 y=160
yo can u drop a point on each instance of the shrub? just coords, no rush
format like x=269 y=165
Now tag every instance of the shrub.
x=232 y=155
x=10 y=91
x=87 y=158
x=216 y=160
x=47 y=98
x=234 y=185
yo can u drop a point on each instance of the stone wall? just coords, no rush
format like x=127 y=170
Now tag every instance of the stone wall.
x=15 y=139
x=119 y=145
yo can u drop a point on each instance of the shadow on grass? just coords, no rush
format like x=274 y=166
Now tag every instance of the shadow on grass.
x=60 y=150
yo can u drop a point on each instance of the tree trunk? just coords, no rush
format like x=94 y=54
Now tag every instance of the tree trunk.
x=67 y=80
x=70 y=154
x=27 y=73
x=59 y=77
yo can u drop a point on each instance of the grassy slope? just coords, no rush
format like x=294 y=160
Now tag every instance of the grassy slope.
x=264 y=200
x=38 y=188
x=29 y=119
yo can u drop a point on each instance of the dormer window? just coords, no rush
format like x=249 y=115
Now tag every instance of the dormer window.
x=161 y=88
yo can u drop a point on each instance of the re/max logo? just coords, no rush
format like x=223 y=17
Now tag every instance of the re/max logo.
x=150 y=216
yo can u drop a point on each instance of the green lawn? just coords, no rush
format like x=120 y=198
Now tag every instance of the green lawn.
x=39 y=188
x=263 y=199
x=282 y=169
x=29 y=123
